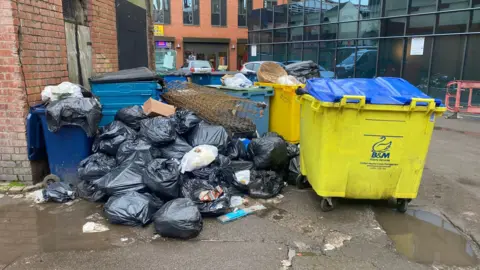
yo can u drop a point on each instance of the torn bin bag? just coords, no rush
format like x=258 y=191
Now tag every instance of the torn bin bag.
x=132 y=208
x=268 y=153
x=138 y=149
x=264 y=184
x=111 y=137
x=162 y=177
x=185 y=120
x=178 y=218
x=158 y=130
x=59 y=192
x=176 y=150
x=127 y=177
x=208 y=134
x=83 y=112
x=96 y=166
x=210 y=200
x=131 y=116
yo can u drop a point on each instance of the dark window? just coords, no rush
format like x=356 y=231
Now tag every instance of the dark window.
x=266 y=53
x=415 y=69
x=253 y=20
x=312 y=32
x=348 y=11
x=452 y=4
x=329 y=11
x=269 y=3
x=329 y=31
x=74 y=11
x=267 y=18
x=280 y=35
x=421 y=25
x=446 y=64
x=365 y=66
x=310 y=50
x=295 y=51
x=312 y=11
x=395 y=7
x=219 y=12
x=347 y=30
x=280 y=17
x=295 y=14
x=393 y=27
x=390 y=57
x=252 y=57
x=244 y=8
x=475 y=26
x=345 y=59
x=476 y=3
x=471 y=64
x=370 y=9
x=296 y=34
x=266 y=37
x=369 y=29
x=326 y=56
x=191 y=15
x=455 y=22
x=161 y=11
x=254 y=37
x=422 y=6
x=279 y=52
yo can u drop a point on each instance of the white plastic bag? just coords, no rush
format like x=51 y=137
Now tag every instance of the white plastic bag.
x=288 y=80
x=61 y=91
x=198 y=158
x=238 y=80
x=243 y=177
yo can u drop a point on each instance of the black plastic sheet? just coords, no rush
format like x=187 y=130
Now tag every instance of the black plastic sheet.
x=195 y=189
x=132 y=208
x=162 y=177
x=178 y=218
x=139 y=149
x=186 y=120
x=158 y=130
x=265 y=184
x=236 y=150
x=96 y=166
x=293 y=150
x=176 y=150
x=294 y=170
x=88 y=191
x=131 y=116
x=268 y=153
x=208 y=134
x=111 y=137
x=127 y=177
x=126 y=75
x=59 y=192
x=303 y=71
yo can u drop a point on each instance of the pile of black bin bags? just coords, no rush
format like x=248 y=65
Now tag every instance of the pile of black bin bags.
x=136 y=170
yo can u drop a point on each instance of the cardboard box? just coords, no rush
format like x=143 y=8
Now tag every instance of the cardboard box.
x=153 y=107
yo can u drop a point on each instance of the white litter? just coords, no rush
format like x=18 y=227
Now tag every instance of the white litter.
x=61 y=91
x=198 y=158
x=93 y=227
x=36 y=196
x=236 y=201
x=243 y=177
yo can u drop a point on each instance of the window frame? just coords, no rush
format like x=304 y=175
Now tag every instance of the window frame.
x=193 y=12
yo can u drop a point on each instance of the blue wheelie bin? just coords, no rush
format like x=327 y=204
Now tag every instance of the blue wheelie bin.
x=65 y=148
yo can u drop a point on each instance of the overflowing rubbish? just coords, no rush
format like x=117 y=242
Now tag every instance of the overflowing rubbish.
x=175 y=150
x=198 y=157
x=59 y=192
x=162 y=177
x=96 y=166
x=238 y=80
x=158 y=130
x=132 y=208
x=139 y=150
x=269 y=153
x=287 y=80
x=178 y=218
x=154 y=107
x=237 y=201
x=186 y=120
x=111 y=136
x=61 y=91
x=94 y=227
x=210 y=200
x=236 y=150
x=207 y=134
x=131 y=116
x=265 y=184
x=269 y=72
x=303 y=71
x=77 y=111
x=126 y=177
x=240 y=213
x=88 y=191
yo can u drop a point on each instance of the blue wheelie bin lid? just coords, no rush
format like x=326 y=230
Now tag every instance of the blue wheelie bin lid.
x=383 y=90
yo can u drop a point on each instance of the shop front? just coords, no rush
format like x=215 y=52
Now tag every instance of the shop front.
x=165 y=54
x=216 y=51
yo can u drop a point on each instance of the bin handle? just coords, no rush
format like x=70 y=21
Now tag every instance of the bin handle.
x=361 y=99
x=315 y=106
x=299 y=99
x=429 y=101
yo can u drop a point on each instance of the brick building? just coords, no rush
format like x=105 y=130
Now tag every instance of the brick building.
x=213 y=30
x=46 y=42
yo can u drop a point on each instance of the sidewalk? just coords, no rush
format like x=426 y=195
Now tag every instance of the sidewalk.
x=468 y=124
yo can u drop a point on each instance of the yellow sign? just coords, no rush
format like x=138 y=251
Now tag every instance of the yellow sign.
x=158 y=30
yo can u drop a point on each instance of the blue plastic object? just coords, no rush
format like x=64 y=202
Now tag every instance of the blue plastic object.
x=115 y=96
x=201 y=78
x=65 y=148
x=171 y=78
x=386 y=91
x=35 y=139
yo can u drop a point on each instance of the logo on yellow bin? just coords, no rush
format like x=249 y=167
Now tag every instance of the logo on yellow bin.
x=381 y=149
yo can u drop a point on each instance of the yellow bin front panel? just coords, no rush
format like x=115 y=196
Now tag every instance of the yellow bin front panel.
x=364 y=151
x=284 y=111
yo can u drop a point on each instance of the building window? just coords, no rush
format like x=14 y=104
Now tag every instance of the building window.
x=191 y=15
x=269 y=3
x=161 y=11
x=244 y=10
x=219 y=12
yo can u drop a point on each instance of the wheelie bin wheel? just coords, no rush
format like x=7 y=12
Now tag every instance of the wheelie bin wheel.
x=49 y=179
x=327 y=204
x=402 y=205
x=301 y=182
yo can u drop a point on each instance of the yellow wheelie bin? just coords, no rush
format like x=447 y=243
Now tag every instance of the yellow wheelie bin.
x=365 y=138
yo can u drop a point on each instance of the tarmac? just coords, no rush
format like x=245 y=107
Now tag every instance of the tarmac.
x=440 y=231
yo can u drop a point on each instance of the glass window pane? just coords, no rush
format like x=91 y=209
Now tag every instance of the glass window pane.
x=265 y=37
x=266 y=53
x=421 y=25
x=326 y=57
x=365 y=66
x=476 y=3
x=348 y=11
x=452 y=4
x=295 y=13
x=393 y=27
x=329 y=11
x=296 y=34
x=253 y=58
x=369 y=29
x=395 y=7
x=455 y=22
x=471 y=64
x=347 y=30
x=253 y=37
x=280 y=35
x=312 y=32
x=310 y=50
x=345 y=59
x=446 y=64
x=280 y=52
x=312 y=11
x=161 y=11
x=329 y=31
x=475 y=26
x=390 y=57
x=267 y=18
x=281 y=16
x=415 y=69
x=295 y=51
x=254 y=20
x=370 y=9
x=422 y=6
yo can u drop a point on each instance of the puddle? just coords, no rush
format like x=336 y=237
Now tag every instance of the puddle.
x=27 y=229
x=426 y=238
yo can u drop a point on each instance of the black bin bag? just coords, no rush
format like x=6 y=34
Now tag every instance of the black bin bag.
x=178 y=218
x=185 y=120
x=176 y=150
x=294 y=170
x=138 y=149
x=211 y=200
x=265 y=184
x=111 y=137
x=208 y=134
x=96 y=166
x=162 y=177
x=59 y=192
x=269 y=153
x=131 y=116
x=132 y=208
x=158 y=130
x=236 y=150
x=126 y=177
x=88 y=191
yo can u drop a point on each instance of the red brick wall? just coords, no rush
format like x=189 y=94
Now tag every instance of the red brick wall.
x=103 y=29
x=13 y=158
